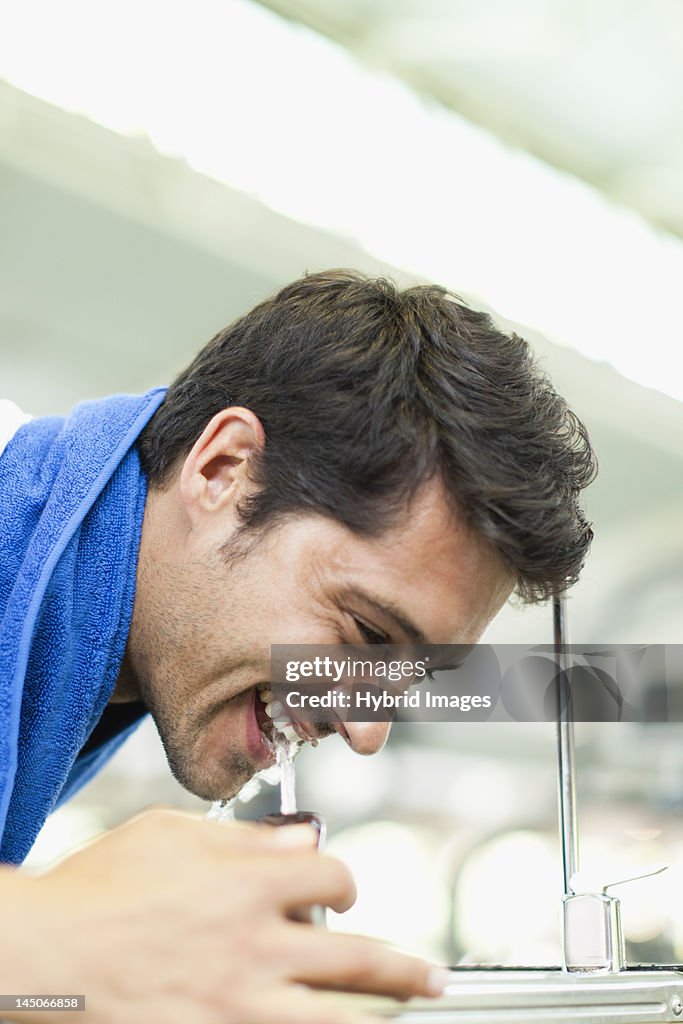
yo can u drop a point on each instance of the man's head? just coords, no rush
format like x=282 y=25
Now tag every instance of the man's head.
x=343 y=446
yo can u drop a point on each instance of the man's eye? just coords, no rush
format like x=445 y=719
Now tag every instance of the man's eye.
x=369 y=635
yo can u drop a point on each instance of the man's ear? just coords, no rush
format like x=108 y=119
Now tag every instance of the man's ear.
x=215 y=472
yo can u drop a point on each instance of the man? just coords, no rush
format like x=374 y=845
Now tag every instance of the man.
x=345 y=464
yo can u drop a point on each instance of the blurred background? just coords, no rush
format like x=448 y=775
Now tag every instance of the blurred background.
x=165 y=165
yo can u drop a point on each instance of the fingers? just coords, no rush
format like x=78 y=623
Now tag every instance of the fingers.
x=298 y=1005
x=357 y=964
x=304 y=879
x=237 y=835
x=284 y=860
x=249 y=835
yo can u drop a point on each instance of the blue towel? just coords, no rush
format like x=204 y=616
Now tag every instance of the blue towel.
x=72 y=499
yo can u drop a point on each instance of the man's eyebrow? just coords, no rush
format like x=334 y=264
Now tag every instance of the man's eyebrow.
x=389 y=611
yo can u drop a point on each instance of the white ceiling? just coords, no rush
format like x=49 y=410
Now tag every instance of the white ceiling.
x=592 y=86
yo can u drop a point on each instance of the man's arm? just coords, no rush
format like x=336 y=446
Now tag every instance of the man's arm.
x=171 y=918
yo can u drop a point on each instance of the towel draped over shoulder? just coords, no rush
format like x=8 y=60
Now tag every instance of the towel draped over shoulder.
x=72 y=500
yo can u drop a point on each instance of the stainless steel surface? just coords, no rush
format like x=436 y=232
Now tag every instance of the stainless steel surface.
x=569 y=827
x=549 y=997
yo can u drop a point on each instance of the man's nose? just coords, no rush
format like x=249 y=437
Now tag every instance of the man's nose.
x=365 y=737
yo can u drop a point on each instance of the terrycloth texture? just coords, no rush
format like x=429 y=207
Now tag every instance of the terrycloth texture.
x=72 y=499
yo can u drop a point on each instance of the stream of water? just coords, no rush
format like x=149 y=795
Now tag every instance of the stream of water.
x=284 y=752
x=283 y=771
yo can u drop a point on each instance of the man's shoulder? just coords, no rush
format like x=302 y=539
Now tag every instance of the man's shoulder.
x=11 y=418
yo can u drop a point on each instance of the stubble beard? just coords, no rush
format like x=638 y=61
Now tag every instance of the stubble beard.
x=163 y=688
x=208 y=782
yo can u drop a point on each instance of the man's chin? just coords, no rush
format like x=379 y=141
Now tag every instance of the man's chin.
x=214 y=782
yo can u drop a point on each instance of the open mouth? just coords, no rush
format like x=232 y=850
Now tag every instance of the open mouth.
x=273 y=721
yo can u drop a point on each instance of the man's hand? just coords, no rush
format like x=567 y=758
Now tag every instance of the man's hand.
x=173 y=919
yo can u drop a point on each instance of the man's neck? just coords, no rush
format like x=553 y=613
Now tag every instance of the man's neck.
x=126 y=688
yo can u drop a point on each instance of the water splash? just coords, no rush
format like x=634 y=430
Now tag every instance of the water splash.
x=282 y=771
x=221 y=811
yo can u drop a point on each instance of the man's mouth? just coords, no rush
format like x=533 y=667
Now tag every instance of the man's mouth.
x=272 y=719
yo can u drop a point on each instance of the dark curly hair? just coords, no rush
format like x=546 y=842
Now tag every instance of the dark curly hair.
x=365 y=392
